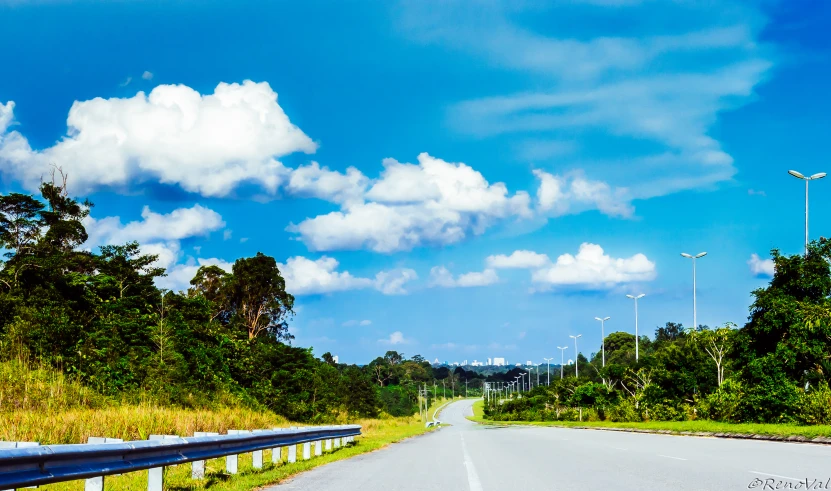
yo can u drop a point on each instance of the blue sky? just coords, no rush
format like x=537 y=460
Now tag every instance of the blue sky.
x=450 y=179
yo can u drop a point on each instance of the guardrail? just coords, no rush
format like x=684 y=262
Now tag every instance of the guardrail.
x=37 y=465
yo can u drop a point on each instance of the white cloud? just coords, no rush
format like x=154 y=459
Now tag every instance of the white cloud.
x=365 y=322
x=243 y=240
x=226 y=234
x=176 y=225
x=320 y=182
x=354 y=322
x=592 y=268
x=518 y=259
x=6 y=116
x=179 y=275
x=763 y=268
x=558 y=195
x=446 y=346
x=392 y=282
x=432 y=202
x=395 y=338
x=441 y=276
x=147 y=75
x=207 y=144
x=310 y=277
x=307 y=277
x=126 y=82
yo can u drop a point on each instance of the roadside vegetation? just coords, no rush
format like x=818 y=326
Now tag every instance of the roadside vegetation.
x=774 y=369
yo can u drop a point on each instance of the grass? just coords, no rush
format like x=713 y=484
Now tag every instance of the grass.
x=676 y=427
x=45 y=406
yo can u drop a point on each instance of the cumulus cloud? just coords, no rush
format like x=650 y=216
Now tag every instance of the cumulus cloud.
x=432 y=202
x=518 y=259
x=176 y=225
x=561 y=195
x=592 y=268
x=147 y=75
x=310 y=277
x=320 y=182
x=160 y=235
x=441 y=276
x=395 y=338
x=761 y=268
x=207 y=144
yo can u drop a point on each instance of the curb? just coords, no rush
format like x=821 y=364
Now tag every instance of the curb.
x=819 y=440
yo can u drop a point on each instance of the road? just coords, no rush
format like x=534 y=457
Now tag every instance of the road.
x=468 y=456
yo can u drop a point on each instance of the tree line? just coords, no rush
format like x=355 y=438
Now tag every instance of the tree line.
x=99 y=317
x=776 y=368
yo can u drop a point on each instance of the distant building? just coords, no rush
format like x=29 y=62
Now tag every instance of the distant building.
x=499 y=362
x=490 y=362
x=476 y=364
x=529 y=363
x=465 y=363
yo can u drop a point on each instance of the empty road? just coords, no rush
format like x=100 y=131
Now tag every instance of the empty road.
x=468 y=456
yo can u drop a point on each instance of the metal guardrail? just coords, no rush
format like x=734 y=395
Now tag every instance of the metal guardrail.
x=32 y=466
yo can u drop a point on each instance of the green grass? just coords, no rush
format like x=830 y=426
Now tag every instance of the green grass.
x=676 y=427
x=376 y=435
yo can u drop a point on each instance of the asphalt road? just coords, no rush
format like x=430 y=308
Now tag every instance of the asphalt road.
x=467 y=456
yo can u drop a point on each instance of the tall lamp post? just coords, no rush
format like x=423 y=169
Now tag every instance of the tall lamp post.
x=603 y=336
x=562 y=359
x=818 y=175
x=689 y=256
x=548 y=370
x=636 y=321
x=516 y=383
x=576 y=353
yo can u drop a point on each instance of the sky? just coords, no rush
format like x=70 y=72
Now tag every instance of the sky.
x=459 y=180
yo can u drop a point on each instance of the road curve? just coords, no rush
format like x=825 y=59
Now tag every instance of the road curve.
x=468 y=456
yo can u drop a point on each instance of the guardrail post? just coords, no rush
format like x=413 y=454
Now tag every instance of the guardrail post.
x=231 y=461
x=318 y=448
x=97 y=483
x=328 y=444
x=292 y=454
x=257 y=455
x=197 y=470
x=18 y=445
x=307 y=451
x=337 y=442
x=155 y=476
x=276 y=452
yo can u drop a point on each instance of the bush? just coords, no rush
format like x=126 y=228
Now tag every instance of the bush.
x=815 y=407
x=722 y=404
x=624 y=412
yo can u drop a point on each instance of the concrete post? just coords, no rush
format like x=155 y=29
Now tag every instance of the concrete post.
x=197 y=470
x=257 y=455
x=318 y=448
x=276 y=452
x=155 y=476
x=292 y=454
x=307 y=451
x=97 y=483
x=231 y=461
x=328 y=447
x=343 y=441
x=337 y=442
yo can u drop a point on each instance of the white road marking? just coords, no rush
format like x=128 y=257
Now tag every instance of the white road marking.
x=775 y=475
x=671 y=457
x=472 y=477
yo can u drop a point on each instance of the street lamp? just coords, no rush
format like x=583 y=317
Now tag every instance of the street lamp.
x=603 y=336
x=577 y=353
x=798 y=175
x=562 y=350
x=700 y=254
x=636 y=321
x=548 y=370
x=516 y=383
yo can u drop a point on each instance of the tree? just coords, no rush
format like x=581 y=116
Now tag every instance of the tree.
x=716 y=343
x=256 y=295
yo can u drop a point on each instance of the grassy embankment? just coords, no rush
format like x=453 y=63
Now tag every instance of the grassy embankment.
x=45 y=406
x=675 y=427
